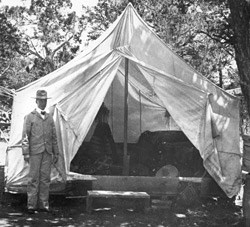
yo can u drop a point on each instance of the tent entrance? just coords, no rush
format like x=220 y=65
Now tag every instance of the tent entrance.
x=148 y=155
x=133 y=134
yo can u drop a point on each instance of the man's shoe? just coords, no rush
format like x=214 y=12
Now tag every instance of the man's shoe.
x=32 y=211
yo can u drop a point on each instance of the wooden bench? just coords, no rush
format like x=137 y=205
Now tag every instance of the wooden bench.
x=142 y=196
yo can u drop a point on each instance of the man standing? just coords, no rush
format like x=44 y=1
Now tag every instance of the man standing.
x=40 y=149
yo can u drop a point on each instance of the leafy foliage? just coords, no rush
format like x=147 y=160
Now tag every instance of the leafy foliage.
x=10 y=46
x=37 y=40
x=51 y=30
x=101 y=16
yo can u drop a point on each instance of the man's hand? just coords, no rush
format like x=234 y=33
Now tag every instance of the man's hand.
x=26 y=157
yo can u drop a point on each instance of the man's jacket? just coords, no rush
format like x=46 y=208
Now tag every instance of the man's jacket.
x=39 y=134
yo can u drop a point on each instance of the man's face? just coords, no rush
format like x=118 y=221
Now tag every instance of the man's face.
x=41 y=103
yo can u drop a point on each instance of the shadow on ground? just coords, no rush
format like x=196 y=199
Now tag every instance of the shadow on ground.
x=71 y=212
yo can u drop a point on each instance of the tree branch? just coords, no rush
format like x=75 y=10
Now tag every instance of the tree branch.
x=60 y=46
x=35 y=52
x=46 y=48
x=5 y=70
x=217 y=39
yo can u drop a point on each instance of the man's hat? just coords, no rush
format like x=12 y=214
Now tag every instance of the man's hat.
x=41 y=94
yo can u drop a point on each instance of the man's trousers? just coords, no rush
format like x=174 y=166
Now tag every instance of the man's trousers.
x=39 y=181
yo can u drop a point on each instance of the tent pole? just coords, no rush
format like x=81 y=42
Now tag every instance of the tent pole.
x=140 y=109
x=125 y=143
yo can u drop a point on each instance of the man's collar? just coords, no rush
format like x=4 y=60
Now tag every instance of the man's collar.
x=39 y=110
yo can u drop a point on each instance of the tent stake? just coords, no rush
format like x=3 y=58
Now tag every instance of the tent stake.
x=125 y=143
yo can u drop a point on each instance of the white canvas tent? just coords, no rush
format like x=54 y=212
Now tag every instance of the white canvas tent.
x=158 y=80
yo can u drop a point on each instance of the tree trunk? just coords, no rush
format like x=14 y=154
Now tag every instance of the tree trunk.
x=240 y=23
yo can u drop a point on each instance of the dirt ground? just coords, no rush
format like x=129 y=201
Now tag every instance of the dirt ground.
x=71 y=212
